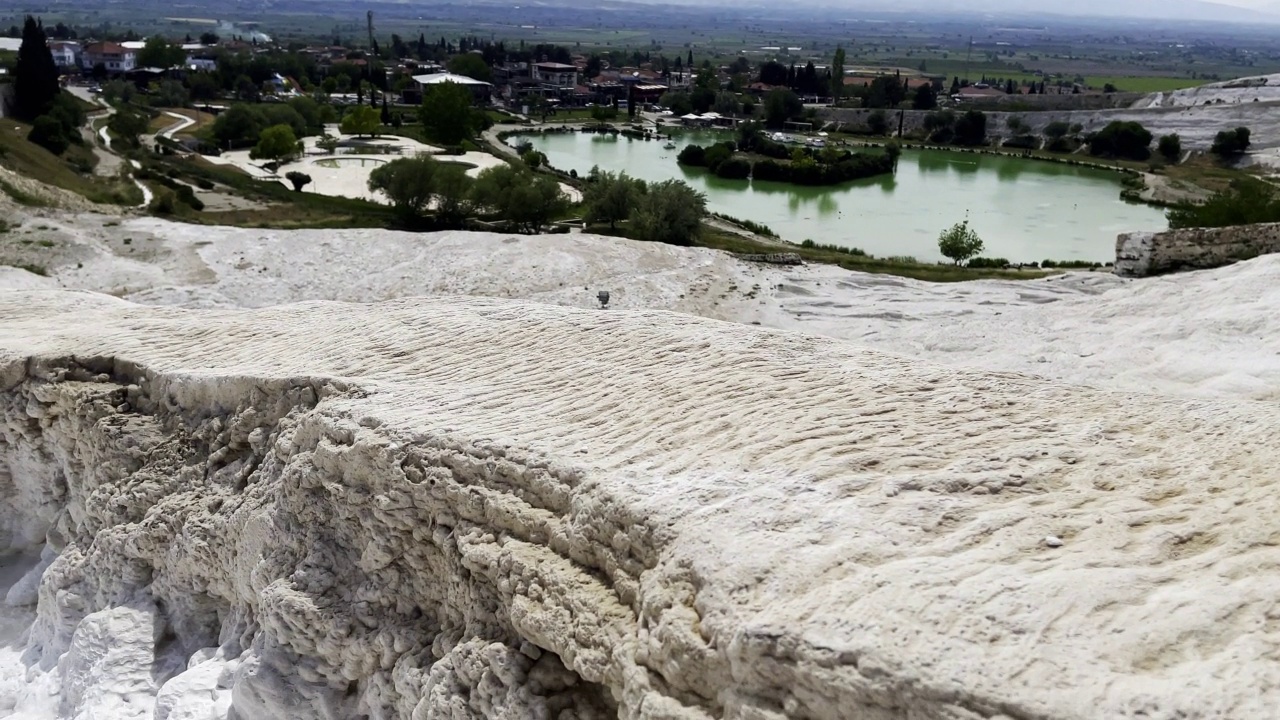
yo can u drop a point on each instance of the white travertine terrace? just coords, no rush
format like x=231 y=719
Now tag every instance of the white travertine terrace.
x=470 y=508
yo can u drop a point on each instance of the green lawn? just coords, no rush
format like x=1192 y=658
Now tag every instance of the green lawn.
x=1131 y=83
x=31 y=160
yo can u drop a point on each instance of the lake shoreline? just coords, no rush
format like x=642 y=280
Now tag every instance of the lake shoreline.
x=1024 y=211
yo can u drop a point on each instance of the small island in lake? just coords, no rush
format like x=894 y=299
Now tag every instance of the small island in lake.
x=759 y=157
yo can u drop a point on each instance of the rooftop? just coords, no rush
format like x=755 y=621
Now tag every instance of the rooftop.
x=444 y=77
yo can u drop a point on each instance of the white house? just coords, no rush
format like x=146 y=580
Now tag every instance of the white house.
x=66 y=54
x=556 y=74
x=480 y=89
x=114 y=56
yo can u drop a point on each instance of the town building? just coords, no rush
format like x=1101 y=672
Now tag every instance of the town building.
x=66 y=54
x=480 y=90
x=116 y=58
x=558 y=75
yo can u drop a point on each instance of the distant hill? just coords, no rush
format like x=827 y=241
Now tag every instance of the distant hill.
x=1155 y=10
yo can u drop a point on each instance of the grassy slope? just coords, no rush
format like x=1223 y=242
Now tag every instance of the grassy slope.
x=31 y=160
x=284 y=208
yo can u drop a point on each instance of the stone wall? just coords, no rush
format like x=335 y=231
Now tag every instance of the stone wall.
x=1140 y=254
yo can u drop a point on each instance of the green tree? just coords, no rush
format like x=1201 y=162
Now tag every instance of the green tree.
x=602 y=114
x=1170 y=147
x=1246 y=202
x=1121 y=140
x=276 y=144
x=237 y=126
x=1056 y=130
x=837 y=76
x=677 y=102
x=518 y=195
x=446 y=113
x=1231 y=143
x=299 y=180
x=877 y=122
x=472 y=66
x=781 y=105
x=971 y=128
x=49 y=134
x=926 y=98
x=127 y=126
x=959 y=242
x=727 y=103
x=169 y=93
x=670 y=212
x=610 y=197
x=453 y=190
x=35 y=84
x=159 y=53
x=407 y=182
x=310 y=112
x=361 y=120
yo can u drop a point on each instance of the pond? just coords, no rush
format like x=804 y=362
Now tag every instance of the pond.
x=341 y=162
x=1024 y=210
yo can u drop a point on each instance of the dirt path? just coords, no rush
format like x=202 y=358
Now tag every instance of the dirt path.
x=1162 y=190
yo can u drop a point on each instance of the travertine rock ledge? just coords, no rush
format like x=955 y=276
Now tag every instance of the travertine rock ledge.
x=462 y=508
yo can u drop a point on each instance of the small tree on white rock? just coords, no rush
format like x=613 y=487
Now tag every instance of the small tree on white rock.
x=959 y=242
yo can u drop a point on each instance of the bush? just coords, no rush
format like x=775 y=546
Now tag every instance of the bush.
x=717 y=154
x=1023 y=142
x=1060 y=145
x=1128 y=140
x=755 y=227
x=204 y=184
x=670 y=212
x=992 y=263
x=163 y=203
x=49 y=134
x=693 y=156
x=834 y=248
x=735 y=168
x=1170 y=147
x=1246 y=202
x=1231 y=143
x=850 y=166
x=959 y=242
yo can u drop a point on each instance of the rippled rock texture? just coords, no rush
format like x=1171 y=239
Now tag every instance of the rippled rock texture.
x=479 y=509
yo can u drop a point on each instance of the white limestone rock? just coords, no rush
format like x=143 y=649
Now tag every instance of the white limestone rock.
x=466 y=508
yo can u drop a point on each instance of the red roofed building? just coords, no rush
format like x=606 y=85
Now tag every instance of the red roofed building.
x=115 y=57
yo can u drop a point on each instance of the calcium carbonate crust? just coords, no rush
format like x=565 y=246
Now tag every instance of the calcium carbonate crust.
x=465 y=508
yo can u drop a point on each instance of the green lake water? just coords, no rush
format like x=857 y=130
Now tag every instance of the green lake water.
x=1024 y=210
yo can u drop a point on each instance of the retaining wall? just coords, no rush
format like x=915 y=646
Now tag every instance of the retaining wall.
x=1139 y=254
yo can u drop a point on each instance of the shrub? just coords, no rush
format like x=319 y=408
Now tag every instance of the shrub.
x=717 y=154
x=1121 y=139
x=834 y=248
x=163 y=203
x=297 y=179
x=1246 y=202
x=693 y=156
x=49 y=134
x=959 y=242
x=1024 y=142
x=982 y=262
x=1230 y=143
x=670 y=212
x=1170 y=147
x=735 y=168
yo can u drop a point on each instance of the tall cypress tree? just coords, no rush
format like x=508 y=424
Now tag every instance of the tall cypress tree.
x=35 y=84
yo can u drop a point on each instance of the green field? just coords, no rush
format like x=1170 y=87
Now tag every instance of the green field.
x=1143 y=84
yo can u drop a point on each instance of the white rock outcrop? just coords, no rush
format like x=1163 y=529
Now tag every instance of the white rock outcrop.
x=462 y=508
